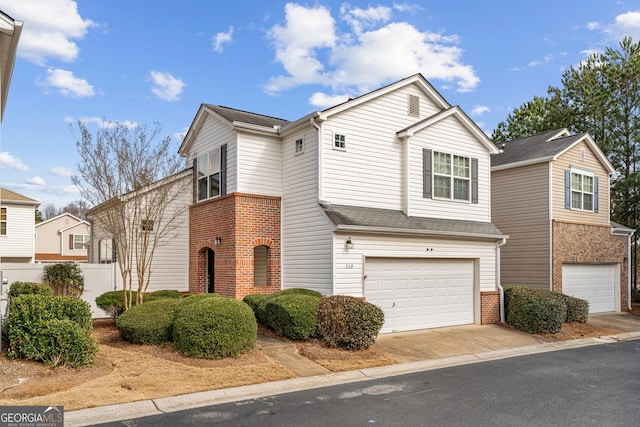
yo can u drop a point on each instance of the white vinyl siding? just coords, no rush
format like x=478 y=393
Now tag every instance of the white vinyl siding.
x=370 y=172
x=524 y=217
x=19 y=242
x=306 y=231
x=259 y=165
x=447 y=136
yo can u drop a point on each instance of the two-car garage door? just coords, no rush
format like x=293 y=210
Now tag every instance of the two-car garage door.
x=419 y=293
x=593 y=282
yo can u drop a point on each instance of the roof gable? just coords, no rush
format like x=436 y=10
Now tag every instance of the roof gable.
x=544 y=147
x=74 y=218
x=8 y=196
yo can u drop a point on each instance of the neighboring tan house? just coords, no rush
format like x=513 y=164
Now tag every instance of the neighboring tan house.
x=550 y=194
x=62 y=238
x=169 y=267
x=10 y=31
x=385 y=196
x=17 y=227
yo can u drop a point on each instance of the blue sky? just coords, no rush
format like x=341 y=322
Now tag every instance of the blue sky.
x=156 y=61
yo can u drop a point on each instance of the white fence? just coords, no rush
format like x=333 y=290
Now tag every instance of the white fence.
x=98 y=279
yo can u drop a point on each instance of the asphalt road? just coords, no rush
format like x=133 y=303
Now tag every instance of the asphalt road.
x=589 y=386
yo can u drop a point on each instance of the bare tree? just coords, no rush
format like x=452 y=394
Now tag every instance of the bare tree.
x=138 y=189
x=76 y=208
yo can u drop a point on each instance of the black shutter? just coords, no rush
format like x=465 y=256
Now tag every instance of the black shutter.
x=595 y=194
x=426 y=174
x=71 y=241
x=567 y=189
x=474 y=180
x=195 y=179
x=223 y=170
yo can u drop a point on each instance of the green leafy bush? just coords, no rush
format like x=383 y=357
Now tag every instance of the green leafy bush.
x=534 y=310
x=635 y=295
x=148 y=323
x=255 y=301
x=24 y=288
x=348 y=322
x=163 y=293
x=577 y=309
x=35 y=332
x=113 y=302
x=65 y=279
x=292 y=315
x=213 y=328
x=298 y=291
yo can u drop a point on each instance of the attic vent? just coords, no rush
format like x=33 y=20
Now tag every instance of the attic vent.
x=413 y=105
x=582 y=154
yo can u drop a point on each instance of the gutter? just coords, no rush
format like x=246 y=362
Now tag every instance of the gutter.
x=420 y=232
x=499 y=286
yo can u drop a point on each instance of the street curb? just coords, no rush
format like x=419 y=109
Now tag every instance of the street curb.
x=125 y=411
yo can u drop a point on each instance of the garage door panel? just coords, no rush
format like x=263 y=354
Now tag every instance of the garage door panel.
x=592 y=282
x=425 y=293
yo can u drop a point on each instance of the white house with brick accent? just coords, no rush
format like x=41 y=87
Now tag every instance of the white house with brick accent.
x=386 y=196
x=550 y=193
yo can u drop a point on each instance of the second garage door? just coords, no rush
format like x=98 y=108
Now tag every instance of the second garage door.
x=420 y=294
x=593 y=282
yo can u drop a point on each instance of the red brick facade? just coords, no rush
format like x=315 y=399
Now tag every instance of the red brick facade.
x=489 y=307
x=242 y=222
x=588 y=244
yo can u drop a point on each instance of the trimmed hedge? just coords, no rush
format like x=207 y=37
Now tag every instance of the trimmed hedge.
x=113 y=302
x=26 y=288
x=37 y=330
x=348 y=322
x=534 y=310
x=292 y=315
x=255 y=301
x=213 y=328
x=577 y=309
x=148 y=323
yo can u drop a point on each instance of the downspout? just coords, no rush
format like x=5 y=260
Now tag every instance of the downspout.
x=498 y=285
x=312 y=121
x=629 y=270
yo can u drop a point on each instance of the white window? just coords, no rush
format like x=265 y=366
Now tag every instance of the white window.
x=260 y=260
x=147 y=225
x=451 y=176
x=3 y=221
x=339 y=141
x=209 y=175
x=299 y=146
x=105 y=251
x=80 y=241
x=582 y=191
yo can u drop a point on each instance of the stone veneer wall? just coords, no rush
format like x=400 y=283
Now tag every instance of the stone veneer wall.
x=588 y=244
x=243 y=221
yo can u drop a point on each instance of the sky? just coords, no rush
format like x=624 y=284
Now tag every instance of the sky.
x=145 y=62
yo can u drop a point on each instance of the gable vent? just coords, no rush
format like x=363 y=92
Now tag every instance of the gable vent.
x=413 y=105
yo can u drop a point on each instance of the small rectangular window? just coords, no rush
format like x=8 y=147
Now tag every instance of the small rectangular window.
x=3 y=221
x=339 y=141
x=80 y=241
x=106 y=253
x=299 y=146
x=209 y=175
x=147 y=225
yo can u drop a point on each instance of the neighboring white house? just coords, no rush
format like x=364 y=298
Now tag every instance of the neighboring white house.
x=385 y=196
x=17 y=227
x=62 y=238
x=169 y=267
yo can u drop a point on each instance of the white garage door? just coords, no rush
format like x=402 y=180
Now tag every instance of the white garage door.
x=419 y=294
x=593 y=282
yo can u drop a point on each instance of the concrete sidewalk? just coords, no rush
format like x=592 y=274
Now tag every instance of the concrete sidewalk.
x=417 y=350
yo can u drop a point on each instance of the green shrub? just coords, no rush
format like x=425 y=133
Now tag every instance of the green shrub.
x=65 y=279
x=35 y=331
x=635 y=295
x=298 y=291
x=348 y=322
x=292 y=315
x=148 y=323
x=22 y=288
x=534 y=310
x=577 y=309
x=113 y=302
x=163 y=293
x=255 y=301
x=213 y=328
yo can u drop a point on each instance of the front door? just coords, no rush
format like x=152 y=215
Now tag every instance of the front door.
x=210 y=271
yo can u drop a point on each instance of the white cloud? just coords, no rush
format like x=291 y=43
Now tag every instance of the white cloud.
x=102 y=122
x=221 y=39
x=60 y=172
x=36 y=180
x=536 y=62
x=9 y=161
x=180 y=135
x=625 y=24
x=67 y=84
x=50 y=28
x=166 y=87
x=322 y=100
x=373 y=51
x=479 y=110
x=43 y=188
x=592 y=26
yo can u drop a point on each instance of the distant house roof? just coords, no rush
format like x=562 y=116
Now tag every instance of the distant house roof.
x=357 y=218
x=233 y=115
x=64 y=214
x=8 y=196
x=541 y=147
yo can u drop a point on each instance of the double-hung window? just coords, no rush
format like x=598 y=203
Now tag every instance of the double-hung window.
x=209 y=175
x=3 y=221
x=582 y=191
x=80 y=241
x=451 y=176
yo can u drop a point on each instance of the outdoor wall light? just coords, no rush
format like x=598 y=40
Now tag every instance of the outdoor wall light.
x=348 y=244
x=218 y=240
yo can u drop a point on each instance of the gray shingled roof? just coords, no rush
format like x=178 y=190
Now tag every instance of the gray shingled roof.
x=533 y=147
x=345 y=216
x=234 y=115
